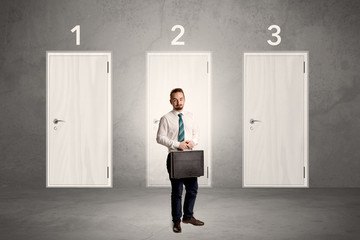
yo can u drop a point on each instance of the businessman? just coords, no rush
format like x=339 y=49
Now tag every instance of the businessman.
x=178 y=131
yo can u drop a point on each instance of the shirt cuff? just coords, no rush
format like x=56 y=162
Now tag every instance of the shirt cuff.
x=176 y=145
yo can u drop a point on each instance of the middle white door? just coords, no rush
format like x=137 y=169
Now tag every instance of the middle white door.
x=166 y=71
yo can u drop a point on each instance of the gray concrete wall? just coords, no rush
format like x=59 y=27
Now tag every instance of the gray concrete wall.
x=329 y=30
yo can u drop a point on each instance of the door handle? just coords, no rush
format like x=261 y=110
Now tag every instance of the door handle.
x=252 y=121
x=57 y=120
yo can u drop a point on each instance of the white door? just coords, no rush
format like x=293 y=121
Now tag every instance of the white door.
x=166 y=71
x=275 y=124
x=79 y=139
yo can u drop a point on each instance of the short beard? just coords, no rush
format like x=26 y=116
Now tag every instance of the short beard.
x=179 y=108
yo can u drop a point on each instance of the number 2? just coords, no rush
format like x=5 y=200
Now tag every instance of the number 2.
x=77 y=29
x=182 y=31
x=275 y=34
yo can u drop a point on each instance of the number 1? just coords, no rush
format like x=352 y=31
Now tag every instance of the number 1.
x=77 y=29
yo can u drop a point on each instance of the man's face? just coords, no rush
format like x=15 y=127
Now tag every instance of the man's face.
x=178 y=101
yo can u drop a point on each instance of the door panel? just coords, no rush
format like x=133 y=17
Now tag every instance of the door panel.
x=189 y=71
x=79 y=94
x=275 y=142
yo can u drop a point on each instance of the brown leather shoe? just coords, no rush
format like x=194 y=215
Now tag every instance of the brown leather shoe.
x=193 y=221
x=177 y=227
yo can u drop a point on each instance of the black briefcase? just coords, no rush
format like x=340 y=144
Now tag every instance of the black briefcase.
x=186 y=164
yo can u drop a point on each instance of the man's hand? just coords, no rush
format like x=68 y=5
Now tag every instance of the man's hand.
x=183 y=145
x=190 y=144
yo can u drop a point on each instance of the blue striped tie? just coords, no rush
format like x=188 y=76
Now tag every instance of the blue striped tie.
x=181 y=137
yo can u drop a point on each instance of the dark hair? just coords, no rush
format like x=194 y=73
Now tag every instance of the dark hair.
x=175 y=90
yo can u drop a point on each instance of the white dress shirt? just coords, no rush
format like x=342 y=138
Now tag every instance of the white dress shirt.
x=168 y=131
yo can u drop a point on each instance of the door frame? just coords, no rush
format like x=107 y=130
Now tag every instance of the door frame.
x=163 y=53
x=109 y=122
x=305 y=54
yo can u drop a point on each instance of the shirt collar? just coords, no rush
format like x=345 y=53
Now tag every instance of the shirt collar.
x=176 y=112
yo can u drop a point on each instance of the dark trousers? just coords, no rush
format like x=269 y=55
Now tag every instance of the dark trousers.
x=191 y=187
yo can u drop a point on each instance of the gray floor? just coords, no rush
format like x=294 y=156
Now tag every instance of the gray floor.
x=145 y=214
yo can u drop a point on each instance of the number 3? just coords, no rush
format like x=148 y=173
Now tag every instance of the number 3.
x=276 y=34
